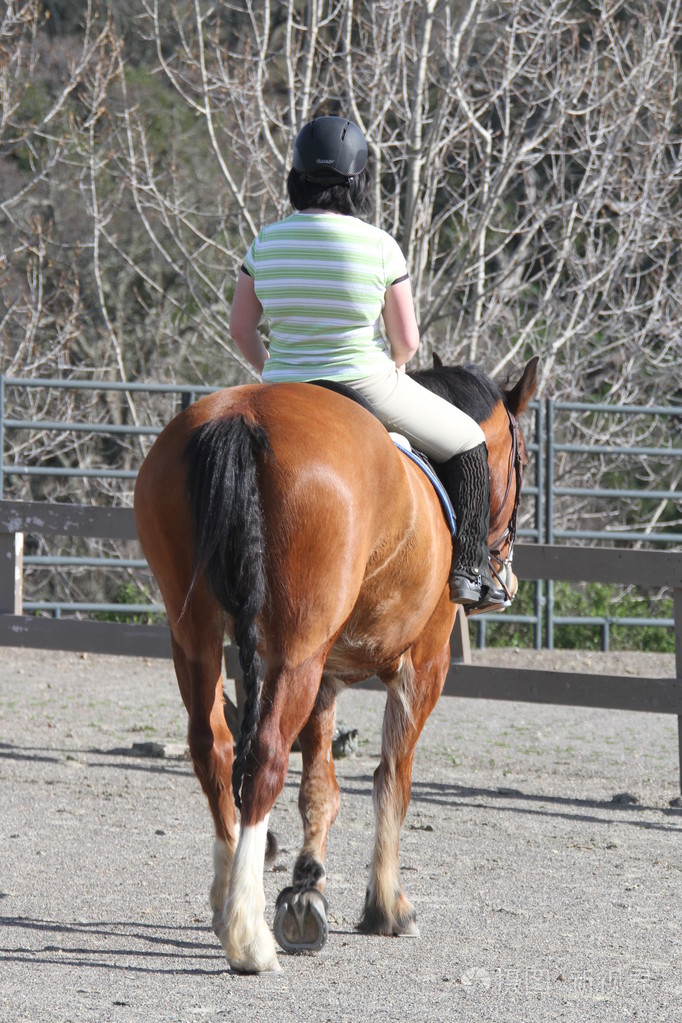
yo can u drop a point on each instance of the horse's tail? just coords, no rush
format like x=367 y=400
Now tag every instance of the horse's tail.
x=229 y=548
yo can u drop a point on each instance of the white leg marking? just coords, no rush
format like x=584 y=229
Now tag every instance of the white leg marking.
x=245 y=936
x=384 y=881
x=222 y=866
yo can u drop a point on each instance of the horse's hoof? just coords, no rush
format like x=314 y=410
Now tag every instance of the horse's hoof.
x=300 y=923
x=408 y=930
x=246 y=970
x=258 y=957
x=400 y=922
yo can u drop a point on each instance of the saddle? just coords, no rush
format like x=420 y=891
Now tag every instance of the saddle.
x=403 y=445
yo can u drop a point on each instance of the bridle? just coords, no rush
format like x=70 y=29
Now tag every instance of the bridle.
x=501 y=564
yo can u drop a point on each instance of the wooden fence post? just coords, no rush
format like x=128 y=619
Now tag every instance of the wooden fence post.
x=460 y=648
x=11 y=573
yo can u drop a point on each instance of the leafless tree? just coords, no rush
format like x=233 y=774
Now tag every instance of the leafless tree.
x=525 y=153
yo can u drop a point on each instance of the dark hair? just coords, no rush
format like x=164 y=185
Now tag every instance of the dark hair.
x=335 y=198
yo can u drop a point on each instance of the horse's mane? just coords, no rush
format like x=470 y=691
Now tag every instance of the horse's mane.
x=467 y=387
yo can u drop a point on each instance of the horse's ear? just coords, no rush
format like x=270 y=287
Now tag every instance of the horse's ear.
x=520 y=395
x=437 y=361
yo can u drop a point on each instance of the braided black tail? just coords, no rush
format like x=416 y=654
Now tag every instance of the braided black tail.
x=227 y=523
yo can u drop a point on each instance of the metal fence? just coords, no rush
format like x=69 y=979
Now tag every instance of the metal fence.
x=547 y=444
x=552 y=430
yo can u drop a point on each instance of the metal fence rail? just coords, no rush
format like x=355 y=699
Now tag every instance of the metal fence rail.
x=545 y=443
x=544 y=450
x=659 y=695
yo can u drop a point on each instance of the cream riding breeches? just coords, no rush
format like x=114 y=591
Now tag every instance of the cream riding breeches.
x=429 y=422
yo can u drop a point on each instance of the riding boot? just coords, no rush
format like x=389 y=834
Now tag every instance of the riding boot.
x=467 y=481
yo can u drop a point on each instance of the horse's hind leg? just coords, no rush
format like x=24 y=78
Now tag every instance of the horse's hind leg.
x=301 y=915
x=412 y=694
x=287 y=700
x=199 y=674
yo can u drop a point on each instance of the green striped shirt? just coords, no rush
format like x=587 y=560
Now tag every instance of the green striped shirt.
x=321 y=279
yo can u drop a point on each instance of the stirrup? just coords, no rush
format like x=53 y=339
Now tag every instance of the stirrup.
x=495 y=595
x=486 y=605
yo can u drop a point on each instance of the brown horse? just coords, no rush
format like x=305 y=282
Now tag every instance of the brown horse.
x=284 y=515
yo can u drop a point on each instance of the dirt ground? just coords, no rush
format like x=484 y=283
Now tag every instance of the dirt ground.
x=541 y=850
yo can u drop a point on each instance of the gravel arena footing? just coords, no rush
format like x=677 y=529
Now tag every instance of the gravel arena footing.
x=542 y=851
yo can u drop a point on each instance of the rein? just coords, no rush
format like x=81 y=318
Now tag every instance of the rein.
x=500 y=564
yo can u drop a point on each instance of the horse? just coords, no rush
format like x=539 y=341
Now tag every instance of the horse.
x=285 y=515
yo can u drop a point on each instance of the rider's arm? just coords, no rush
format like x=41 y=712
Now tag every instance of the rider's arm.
x=401 y=322
x=245 y=316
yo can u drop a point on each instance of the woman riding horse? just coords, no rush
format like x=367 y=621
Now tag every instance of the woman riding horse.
x=323 y=277
x=285 y=515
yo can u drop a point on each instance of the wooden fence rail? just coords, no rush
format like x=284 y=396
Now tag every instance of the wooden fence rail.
x=585 y=564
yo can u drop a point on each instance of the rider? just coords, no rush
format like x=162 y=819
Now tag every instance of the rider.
x=323 y=276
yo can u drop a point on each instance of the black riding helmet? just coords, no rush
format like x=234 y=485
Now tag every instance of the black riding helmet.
x=330 y=150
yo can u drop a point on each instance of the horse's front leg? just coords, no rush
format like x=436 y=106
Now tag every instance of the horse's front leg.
x=301 y=915
x=287 y=700
x=412 y=694
x=318 y=798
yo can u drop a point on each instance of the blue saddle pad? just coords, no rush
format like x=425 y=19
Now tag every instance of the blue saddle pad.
x=427 y=469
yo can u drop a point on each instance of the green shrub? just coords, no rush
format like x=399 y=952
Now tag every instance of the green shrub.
x=130 y=593
x=591 y=600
